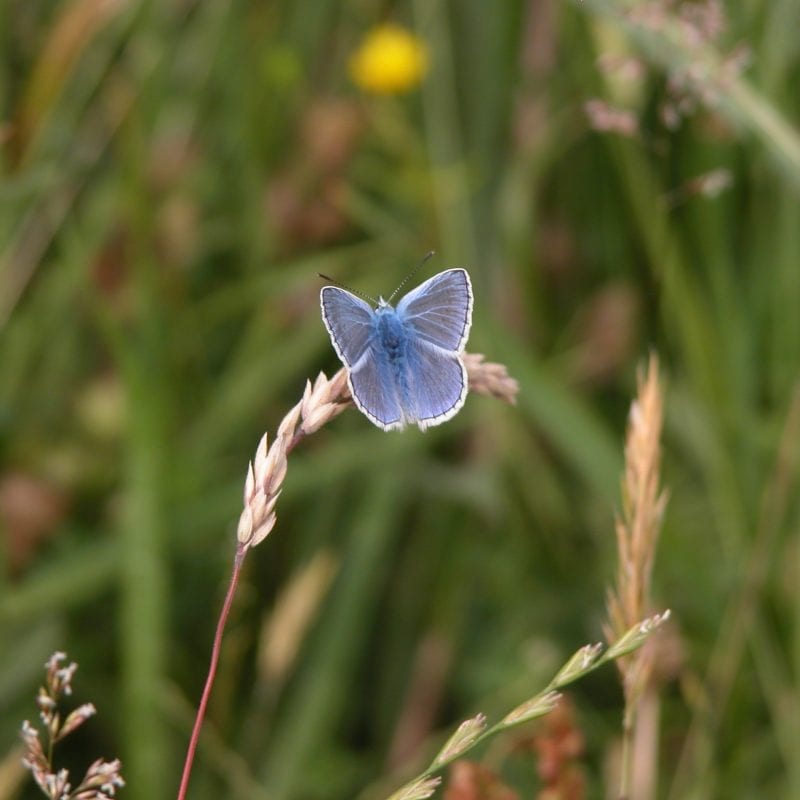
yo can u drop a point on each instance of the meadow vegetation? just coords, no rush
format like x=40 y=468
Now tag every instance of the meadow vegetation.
x=621 y=179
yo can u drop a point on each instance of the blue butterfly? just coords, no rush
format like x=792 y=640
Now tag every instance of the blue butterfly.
x=403 y=364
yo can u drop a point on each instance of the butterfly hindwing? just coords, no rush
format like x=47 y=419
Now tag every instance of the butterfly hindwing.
x=436 y=383
x=440 y=309
x=374 y=389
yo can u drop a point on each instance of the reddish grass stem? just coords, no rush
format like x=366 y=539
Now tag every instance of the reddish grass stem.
x=241 y=551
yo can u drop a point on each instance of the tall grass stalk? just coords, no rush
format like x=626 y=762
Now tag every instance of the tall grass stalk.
x=474 y=732
x=637 y=530
x=741 y=625
x=322 y=402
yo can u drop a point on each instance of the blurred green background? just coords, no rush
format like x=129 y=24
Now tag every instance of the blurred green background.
x=617 y=177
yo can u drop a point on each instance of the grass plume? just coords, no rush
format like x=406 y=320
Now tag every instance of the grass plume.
x=102 y=778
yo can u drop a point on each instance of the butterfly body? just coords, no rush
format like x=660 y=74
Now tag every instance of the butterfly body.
x=404 y=363
x=390 y=334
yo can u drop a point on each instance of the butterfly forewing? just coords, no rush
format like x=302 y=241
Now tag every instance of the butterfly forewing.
x=350 y=322
x=440 y=310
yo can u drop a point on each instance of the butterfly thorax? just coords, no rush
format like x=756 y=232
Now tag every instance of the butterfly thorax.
x=390 y=333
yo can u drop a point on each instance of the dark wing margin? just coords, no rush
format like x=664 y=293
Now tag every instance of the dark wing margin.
x=440 y=309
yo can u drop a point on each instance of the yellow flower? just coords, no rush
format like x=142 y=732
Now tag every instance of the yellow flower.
x=390 y=60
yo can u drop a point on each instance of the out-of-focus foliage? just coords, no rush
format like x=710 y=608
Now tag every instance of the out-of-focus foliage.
x=617 y=177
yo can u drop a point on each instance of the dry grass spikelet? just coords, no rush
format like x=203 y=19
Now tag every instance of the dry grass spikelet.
x=638 y=526
x=102 y=778
x=322 y=401
x=486 y=377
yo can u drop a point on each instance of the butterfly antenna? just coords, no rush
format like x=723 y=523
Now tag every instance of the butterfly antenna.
x=411 y=274
x=348 y=289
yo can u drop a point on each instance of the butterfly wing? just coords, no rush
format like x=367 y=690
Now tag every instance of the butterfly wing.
x=350 y=322
x=373 y=385
x=439 y=311
x=436 y=383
